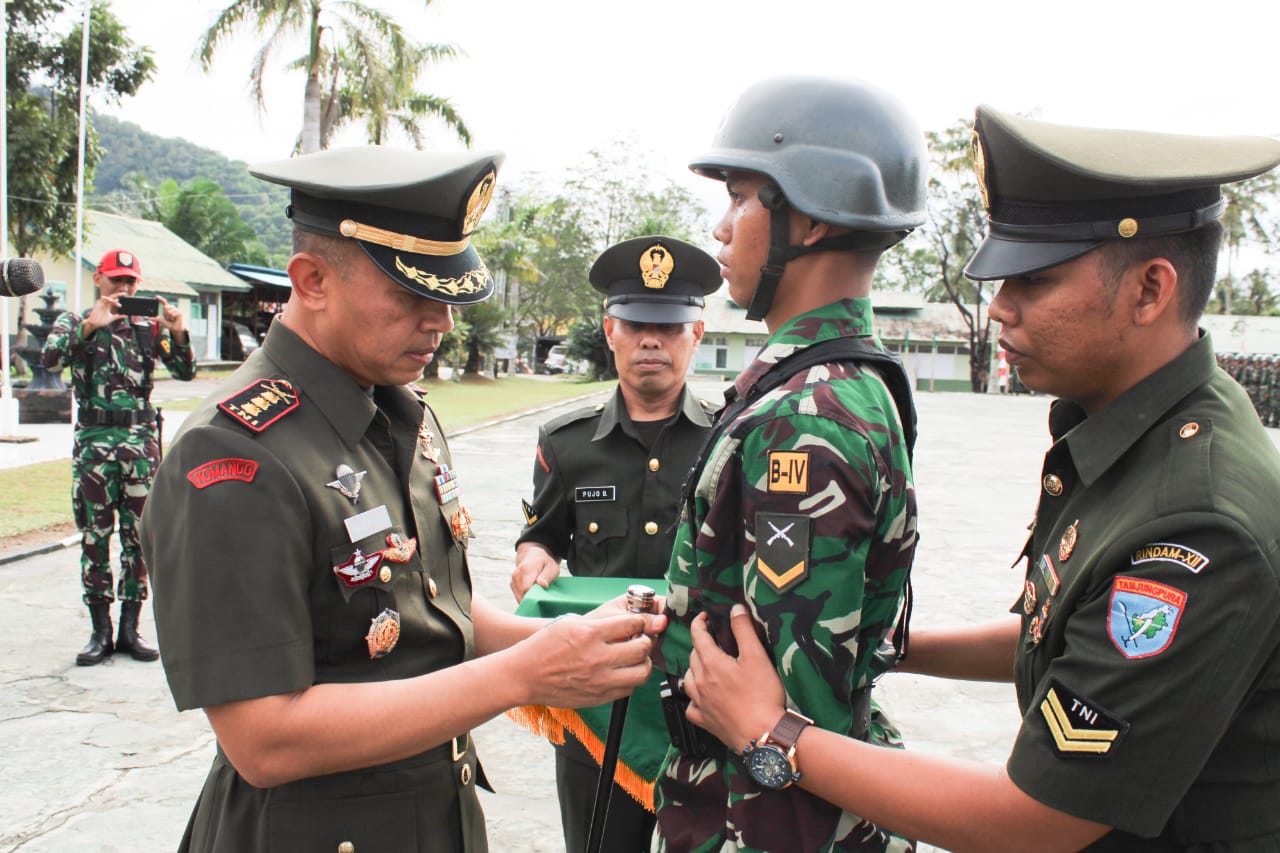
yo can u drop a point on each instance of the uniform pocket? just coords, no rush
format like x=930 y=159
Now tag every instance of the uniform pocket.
x=600 y=535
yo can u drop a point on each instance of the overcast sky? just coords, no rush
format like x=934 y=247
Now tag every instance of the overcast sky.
x=549 y=80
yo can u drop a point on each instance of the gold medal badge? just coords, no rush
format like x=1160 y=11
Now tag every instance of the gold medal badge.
x=656 y=266
x=425 y=437
x=399 y=549
x=1070 y=537
x=384 y=633
x=460 y=524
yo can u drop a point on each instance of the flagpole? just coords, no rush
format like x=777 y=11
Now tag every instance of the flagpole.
x=74 y=303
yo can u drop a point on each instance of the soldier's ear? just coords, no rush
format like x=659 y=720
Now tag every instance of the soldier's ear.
x=608 y=330
x=309 y=274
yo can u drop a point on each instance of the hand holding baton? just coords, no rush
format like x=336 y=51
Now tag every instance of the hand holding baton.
x=640 y=599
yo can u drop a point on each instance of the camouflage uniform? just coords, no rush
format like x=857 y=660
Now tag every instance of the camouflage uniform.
x=821 y=461
x=112 y=460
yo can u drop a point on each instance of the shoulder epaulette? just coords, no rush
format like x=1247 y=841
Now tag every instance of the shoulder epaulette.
x=261 y=404
x=573 y=417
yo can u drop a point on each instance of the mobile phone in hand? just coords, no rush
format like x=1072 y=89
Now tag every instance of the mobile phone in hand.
x=139 y=306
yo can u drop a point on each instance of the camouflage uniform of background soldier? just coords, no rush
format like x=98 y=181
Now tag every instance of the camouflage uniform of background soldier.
x=116 y=447
x=802 y=505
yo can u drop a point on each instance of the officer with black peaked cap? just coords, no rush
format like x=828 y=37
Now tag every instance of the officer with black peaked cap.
x=308 y=540
x=607 y=478
x=1145 y=648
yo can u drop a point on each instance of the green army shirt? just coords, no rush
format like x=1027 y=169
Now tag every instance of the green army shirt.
x=111 y=372
x=603 y=499
x=1148 y=672
x=804 y=512
x=283 y=543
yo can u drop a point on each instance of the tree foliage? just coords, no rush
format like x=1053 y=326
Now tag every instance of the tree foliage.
x=358 y=62
x=201 y=214
x=43 y=79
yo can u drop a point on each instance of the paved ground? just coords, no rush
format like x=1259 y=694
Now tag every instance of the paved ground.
x=97 y=759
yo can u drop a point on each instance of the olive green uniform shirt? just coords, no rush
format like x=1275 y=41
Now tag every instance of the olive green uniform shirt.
x=1148 y=672
x=259 y=591
x=603 y=500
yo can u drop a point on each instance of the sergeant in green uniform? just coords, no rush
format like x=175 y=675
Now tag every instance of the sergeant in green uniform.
x=117 y=446
x=607 y=478
x=1146 y=643
x=801 y=506
x=308 y=539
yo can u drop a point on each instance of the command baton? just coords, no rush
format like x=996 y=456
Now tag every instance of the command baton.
x=640 y=599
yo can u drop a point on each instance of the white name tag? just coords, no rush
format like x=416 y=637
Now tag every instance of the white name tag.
x=368 y=523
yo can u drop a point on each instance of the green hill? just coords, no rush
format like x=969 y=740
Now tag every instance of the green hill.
x=129 y=150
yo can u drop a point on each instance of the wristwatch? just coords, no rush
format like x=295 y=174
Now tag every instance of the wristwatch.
x=771 y=760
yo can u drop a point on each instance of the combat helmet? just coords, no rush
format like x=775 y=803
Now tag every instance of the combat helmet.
x=842 y=152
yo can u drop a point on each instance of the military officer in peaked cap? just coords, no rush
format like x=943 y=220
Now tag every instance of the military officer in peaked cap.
x=607 y=478
x=1145 y=645
x=308 y=537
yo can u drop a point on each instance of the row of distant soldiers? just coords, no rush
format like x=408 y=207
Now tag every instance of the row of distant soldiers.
x=1260 y=376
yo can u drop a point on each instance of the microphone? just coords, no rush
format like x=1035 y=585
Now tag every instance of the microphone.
x=20 y=276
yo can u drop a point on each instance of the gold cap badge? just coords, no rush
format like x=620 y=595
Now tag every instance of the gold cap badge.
x=656 y=266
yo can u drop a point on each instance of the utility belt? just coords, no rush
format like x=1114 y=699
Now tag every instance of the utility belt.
x=696 y=742
x=88 y=416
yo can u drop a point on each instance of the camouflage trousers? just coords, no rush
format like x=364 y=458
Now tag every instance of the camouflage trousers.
x=706 y=807
x=102 y=490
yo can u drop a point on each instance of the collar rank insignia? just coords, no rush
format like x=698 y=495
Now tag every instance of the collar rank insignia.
x=399 y=549
x=782 y=549
x=359 y=569
x=656 y=265
x=261 y=404
x=425 y=437
x=1070 y=537
x=1078 y=725
x=348 y=481
x=530 y=514
x=384 y=633
x=446 y=484
x=460 y=524
x=1144 y=616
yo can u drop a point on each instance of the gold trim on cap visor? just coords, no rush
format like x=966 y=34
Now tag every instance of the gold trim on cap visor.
x=401 y=242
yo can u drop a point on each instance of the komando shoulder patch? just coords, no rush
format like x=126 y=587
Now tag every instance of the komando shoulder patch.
x=221 y=470
x=782 y=549
x=262 y=403
x=1079 y=726
x=789 y=471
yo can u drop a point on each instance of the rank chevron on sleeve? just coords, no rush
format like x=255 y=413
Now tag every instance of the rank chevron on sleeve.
x=1078 y=726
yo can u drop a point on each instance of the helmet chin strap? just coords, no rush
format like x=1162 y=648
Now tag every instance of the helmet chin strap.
x=781 y=251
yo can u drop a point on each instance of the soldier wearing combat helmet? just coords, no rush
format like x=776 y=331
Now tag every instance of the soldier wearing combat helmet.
x=801 y=506
x=1144 y=643
x=309 y=541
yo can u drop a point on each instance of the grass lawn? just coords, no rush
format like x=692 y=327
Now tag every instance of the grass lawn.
x=34 y=497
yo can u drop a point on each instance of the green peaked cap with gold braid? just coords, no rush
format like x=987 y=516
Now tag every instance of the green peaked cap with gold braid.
x=411 y=212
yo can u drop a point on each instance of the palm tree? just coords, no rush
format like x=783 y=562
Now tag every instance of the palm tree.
x=362 y=42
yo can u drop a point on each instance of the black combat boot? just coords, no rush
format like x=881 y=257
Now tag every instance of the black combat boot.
x=127 y=641
x=99 y=647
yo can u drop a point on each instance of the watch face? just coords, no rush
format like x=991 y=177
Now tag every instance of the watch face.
x=769 y=767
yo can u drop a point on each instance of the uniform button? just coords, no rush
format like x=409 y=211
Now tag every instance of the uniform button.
x=651 y=528
x=385 y=574
x=346 y=847
x=654 y=464
x=593 y=528
x=1189 y=430
x=432 y=588
x=464 y=776
x=1052 y=485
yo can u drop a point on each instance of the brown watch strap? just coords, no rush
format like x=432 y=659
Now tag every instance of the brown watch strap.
x=787 y=730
